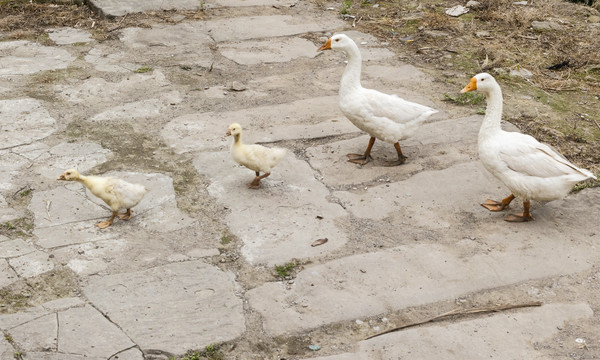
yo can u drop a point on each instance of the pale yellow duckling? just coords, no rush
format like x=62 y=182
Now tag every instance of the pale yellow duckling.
x=116 y=193
x=254 y=157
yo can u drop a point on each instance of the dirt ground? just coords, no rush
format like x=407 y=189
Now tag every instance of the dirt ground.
x=558 y=104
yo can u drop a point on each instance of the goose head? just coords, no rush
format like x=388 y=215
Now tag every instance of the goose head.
x=483 y=82
x=70 y=175
x=337 y=41
x=234 y=129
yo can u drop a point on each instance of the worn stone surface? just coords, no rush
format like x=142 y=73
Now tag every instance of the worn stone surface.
x=25 y=57
x=6 y=349
x=267 y=51
x=296 y=200
x=403 y=277
x=67 y=36
x=20 y=126
x=13 y=248
x=37 y=335
x=504 y=336
x=64 y=156
x=311 y=118
x=87 y=323
x=196 y=306
x=32 y=264
x=7 y=274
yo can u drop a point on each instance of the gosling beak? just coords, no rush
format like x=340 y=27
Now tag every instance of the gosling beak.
x=472 y=85
x=326 y=46
x=228 y=133
x=62 y=177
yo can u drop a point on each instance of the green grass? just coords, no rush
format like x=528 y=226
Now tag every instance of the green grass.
x=346 y=5
x=284 y=271
x=211 y=352
x=142 y=70
x=470 y=98
x=225 y=240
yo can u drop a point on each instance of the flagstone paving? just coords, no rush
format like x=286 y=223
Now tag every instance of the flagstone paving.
x=196 y=265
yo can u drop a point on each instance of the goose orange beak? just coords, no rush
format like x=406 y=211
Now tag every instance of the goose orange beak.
x=326 y=46
x=61 y=177
x=228 y=133
x=472 y=85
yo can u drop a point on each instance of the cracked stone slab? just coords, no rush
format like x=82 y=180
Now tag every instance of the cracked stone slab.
x=256 y=27
x=87 y=323
x=14 y=248
x=462 y=186
x=290 y=200
x=186 y=43
x=267 y=51
x=130 y=354
x=60 y=356
x=10 y=164
x=32 y=264
x=90 y=258
x=7 y=275
x=37 y=335
x=416 y=275
x=23 y=121
x=7 y=351
x=120 y=8
x=100 y=94
x=174 y=308
x=25 y=57
x=69 y=36
x=105 y=58
x=434 y=145
x=310 y=118
x=64 y=156
x=140 y=109
x=507 y=335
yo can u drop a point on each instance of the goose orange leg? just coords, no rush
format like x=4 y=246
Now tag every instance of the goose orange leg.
x=521 y=218
x=255 y=184
x=401 y=158
x=107 y=223
x=362 y=159
x=127 y=215
x=493 y=205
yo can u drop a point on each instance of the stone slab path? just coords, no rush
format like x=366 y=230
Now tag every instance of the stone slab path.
x=195 y=266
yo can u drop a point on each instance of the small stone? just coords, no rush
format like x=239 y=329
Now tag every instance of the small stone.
x=545 y=25
x=474 y=4
x=238 y=86
x=457 y=10
x=359 y=322
x=520 y=3
x=524 y=73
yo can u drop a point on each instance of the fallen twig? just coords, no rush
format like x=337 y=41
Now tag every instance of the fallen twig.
x=459 y=311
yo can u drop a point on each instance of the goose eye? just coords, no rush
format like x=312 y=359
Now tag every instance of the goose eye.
x=337 y=40
x=482 y=79
x=68 y=173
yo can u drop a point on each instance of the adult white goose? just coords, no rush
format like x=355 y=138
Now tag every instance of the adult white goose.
x=254 y=157
x=385 y=117
x=116 y=193
x=531 y=170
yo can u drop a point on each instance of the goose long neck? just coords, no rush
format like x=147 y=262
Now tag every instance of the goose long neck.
x=351 y=76
x=85 y=180
x=493 y=112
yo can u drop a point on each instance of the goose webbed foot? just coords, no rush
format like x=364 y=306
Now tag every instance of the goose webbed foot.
x=360 y=159
x=493 y=205
x=107 y=223
x=519 y=218
x=401 y=160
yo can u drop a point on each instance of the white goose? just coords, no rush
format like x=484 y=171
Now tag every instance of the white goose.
x=531 y=170
x=254 y=157
x=385 y=117
x=116 y=193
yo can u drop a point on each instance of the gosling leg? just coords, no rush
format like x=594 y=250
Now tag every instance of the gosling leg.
x=127 y=215
x=107 y=223
x=255 y=184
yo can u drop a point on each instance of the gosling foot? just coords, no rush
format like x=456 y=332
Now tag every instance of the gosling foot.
x=127 y=215
x=360 y=159
x=519 y=218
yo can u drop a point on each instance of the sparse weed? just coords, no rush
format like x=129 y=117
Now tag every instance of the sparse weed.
x=284 y=271
x=346 y=5
x=469 y=98
x=142 y=70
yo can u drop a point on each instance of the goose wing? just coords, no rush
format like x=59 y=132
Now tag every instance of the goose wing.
x=524 y=154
